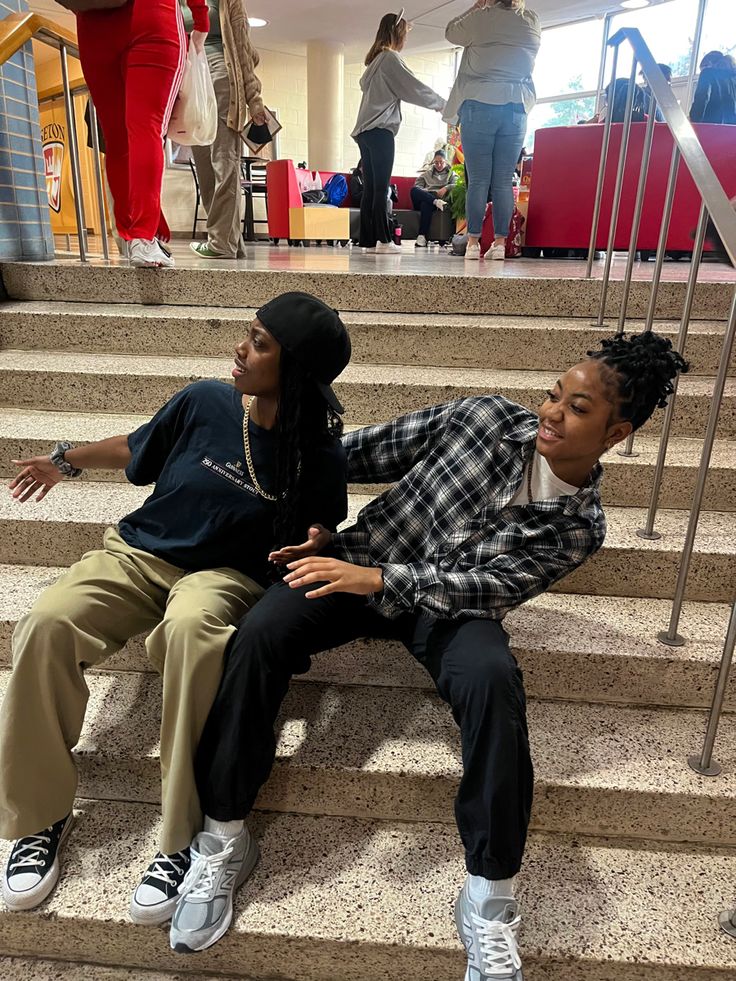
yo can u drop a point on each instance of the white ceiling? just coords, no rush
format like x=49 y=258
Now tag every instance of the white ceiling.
x=353 y=22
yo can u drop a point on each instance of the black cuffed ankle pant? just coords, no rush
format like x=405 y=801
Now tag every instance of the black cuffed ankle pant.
x=474 y=672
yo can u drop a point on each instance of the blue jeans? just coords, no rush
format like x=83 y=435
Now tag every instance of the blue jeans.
x=492 y=140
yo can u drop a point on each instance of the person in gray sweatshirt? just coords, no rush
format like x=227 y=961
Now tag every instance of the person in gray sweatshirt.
x=385 y=82
x=430 y=192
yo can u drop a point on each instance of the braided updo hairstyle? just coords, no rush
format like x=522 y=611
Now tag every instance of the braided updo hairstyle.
x=304 y=422
x=639 y=370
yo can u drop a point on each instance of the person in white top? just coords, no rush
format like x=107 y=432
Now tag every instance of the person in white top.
x=492 y=95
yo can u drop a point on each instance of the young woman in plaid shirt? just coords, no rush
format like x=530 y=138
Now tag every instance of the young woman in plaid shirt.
x=490 y=505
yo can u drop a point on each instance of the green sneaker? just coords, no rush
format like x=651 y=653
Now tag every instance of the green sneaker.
x=203 y=249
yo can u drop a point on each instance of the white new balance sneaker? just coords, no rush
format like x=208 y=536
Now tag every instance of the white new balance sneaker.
x=489 y=930
x=421 y=242
x=205 y=908
x=149 y=253
x=497 y=252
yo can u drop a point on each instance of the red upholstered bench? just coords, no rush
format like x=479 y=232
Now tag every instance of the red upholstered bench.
x=566 y=160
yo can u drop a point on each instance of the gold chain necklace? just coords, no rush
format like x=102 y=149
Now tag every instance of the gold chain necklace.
x=249 y=459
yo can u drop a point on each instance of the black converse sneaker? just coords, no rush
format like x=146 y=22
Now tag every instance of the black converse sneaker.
x=33 y=867
x=157 y=894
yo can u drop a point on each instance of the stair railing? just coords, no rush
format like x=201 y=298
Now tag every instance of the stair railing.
x=704 y=763
x=716 y=207
x=15 y=31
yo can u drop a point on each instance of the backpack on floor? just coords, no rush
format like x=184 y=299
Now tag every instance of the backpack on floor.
x=336 y=189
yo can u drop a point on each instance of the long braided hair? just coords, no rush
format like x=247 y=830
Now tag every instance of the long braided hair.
x=639 y=371
x=304 y=422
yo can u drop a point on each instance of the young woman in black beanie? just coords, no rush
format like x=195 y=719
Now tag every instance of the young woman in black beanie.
x=489 y=505
x=239 y=469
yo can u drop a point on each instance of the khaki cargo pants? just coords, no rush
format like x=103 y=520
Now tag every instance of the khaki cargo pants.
x=109 y=596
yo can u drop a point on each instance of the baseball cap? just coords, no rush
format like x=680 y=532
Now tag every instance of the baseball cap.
x=313 y=334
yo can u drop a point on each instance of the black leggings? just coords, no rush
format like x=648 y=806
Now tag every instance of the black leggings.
x=377 y=158
x=472 y=667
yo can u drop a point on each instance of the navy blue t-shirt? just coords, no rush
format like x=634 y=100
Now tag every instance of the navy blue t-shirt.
x=204 y=513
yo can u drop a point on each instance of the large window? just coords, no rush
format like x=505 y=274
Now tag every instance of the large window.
x=719 y=28
x=668 y=29
x=569 y=58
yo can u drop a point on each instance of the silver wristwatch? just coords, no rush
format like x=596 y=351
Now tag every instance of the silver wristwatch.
x=62 y=465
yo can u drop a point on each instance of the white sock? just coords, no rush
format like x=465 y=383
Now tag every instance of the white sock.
x=481 y=888
x=223 y=829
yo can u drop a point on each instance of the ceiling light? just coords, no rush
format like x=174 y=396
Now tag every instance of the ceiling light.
x=260 y=22
x=634 y=4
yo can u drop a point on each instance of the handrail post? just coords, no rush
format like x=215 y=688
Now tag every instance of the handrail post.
x=697 y=40
x=601 y=175
x=646 y=154
x=617 y=192
x=98 y=178
x=704 y=764
x=727 y=921
x=73 y=153
x=647 y=532
x=664 y=232
x=670 y=636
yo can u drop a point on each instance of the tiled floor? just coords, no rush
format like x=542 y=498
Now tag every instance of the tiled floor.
x=415 y=262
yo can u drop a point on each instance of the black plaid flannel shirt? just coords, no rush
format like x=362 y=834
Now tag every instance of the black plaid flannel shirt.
x=444 y=535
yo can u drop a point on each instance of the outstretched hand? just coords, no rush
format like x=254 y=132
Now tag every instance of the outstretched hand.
x=38 y=476
x=318 y=538
x=338 y=577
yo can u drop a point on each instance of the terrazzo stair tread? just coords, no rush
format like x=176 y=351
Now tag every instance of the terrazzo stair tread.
x=32 y=969
x=28 y=432
x=395 y=754
x=425 y=338
x=112 y=383
x=72 y=519
x=374 y=285
x=339 y=899
x=589 y=648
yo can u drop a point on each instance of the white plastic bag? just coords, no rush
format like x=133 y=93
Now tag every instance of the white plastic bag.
x=194 y=118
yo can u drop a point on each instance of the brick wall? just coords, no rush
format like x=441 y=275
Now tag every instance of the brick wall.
x=25 y=231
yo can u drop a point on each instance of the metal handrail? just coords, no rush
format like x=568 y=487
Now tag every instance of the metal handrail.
x=704 y=763
x=15 y=31
x=717 y=207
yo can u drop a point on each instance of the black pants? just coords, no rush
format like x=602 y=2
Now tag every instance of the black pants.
x=377 y=157
x=423 y=202
x=471 y=665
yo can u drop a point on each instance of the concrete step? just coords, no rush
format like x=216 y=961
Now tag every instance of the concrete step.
x=395 y=754
x=72 y=518
x=452 y=340
x=580 y=648
x=29 y=432
x=381 y=287
x=338 y=899
x=113 y=383
x=33 y=969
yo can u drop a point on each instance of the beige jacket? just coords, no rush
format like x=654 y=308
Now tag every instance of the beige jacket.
x=501 y=47
x=241 y=60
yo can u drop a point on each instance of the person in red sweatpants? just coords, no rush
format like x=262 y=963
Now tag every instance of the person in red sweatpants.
x=133 y=59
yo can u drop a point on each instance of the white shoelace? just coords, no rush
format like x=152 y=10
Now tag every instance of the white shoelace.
x=199 y=881
x=35 y=847
x=498 y=945
x=159 y=871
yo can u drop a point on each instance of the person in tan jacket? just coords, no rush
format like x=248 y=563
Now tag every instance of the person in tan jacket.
x=233 y=60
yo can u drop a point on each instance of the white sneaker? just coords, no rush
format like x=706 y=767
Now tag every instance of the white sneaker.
x=497 y=252
x=157 y=894
x=421 y=242
x=473 y=252
x=489 y=931
x=34 y=866
x=388 y=248
x=146 y=253
x=205 y=909
x=440 y=204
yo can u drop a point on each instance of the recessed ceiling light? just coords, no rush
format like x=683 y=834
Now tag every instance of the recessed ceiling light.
x=634 y=4
x=260 y=22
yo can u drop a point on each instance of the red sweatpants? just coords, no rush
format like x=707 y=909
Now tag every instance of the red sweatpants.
x=133 y=58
